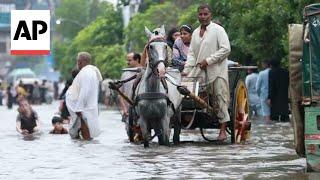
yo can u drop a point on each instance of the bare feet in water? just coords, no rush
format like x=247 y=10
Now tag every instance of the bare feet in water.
x=222 y=136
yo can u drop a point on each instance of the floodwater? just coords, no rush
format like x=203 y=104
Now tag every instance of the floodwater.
x=268 y=155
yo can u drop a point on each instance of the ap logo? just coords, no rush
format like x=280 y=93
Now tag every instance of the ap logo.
x=30 y=32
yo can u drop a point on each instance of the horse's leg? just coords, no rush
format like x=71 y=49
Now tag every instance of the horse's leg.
x=159 y=132
x=177 y=126
x=165 y=127
x=145 y=131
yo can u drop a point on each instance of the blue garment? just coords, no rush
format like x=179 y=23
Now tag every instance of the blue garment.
x=251 y=81
x=254 y=101
x=262 y=87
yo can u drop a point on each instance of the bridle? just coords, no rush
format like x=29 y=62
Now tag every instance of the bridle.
x=153 y=66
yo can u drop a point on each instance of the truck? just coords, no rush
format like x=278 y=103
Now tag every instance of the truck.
x=304 y=68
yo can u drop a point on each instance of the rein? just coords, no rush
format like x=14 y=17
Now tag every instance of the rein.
x=154 y=66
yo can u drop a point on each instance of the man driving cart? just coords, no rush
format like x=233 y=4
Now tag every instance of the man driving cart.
x=207 y=59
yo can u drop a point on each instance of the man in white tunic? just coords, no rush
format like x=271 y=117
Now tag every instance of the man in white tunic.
x=133 y=61
x=207 y=58
x=82 y=99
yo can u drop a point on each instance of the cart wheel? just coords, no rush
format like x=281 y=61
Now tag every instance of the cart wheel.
x=205 y=137
x=240 y=125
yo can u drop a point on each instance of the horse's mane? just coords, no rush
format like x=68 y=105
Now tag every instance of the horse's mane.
x=144 y=57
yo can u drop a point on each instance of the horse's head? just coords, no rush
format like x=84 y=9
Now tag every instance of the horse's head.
x=157 y=50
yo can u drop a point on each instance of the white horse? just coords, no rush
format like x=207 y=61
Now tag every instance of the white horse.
x=157 y=99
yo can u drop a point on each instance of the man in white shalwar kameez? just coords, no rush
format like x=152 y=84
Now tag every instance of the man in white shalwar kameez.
x=207 y=58
x=82 y=99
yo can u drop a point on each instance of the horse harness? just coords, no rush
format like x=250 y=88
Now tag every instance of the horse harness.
x=152 y=96
x=137 y=78
x=153 y=66
x=155 y=95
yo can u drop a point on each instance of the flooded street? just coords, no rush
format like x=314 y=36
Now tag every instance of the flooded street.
x=268 y=155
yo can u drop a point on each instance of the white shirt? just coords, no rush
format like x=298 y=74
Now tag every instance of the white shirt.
x=82 y=96
x=214 y=47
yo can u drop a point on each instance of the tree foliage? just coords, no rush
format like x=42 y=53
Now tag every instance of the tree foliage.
x=189 y=16
x=68 y=28
x=102 y=34
x=76 y=14
x=60 y=50
x=155 y=16
x=257 y=29
x=110 y=59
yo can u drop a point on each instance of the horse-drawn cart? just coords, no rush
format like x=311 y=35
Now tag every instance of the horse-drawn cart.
x=160 y=101
x=197 y=110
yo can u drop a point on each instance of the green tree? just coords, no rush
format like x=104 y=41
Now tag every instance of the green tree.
x=105 y=30
x=145 y=4
x=77 y=14
x=153 y=17
x=110 y=60
x=257 y=29
x=189 y=16
x=261 y=27
x=72 y=20
x=60 y=50
x=100 y=35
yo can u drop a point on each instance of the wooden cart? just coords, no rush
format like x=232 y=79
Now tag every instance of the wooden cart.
x=197 y=112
